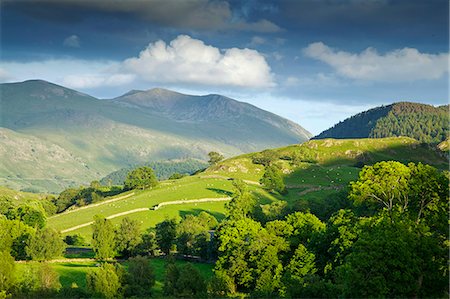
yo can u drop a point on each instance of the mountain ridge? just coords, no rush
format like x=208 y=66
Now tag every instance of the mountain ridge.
x=109 y=134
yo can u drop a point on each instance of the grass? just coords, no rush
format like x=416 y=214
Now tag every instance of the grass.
x=75 y=272
x=308 y=183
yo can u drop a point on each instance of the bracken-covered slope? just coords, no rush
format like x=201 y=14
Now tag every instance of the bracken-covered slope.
x=53 y=137
x=422 y=122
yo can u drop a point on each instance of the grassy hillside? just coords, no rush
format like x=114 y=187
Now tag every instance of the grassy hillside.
x=315 y=173
x=54 y=137
x=425 y=123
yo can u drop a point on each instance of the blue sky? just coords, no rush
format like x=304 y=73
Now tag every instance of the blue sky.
x=315 y=62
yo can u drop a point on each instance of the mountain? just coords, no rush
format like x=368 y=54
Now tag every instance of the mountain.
x=53 y=137
x=422 y=122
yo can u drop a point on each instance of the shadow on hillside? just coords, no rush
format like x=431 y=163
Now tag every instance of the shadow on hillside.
x=221 y=191
x=321 y=188
x=195 y=212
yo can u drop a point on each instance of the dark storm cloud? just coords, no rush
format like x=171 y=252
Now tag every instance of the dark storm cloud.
x=193 y=14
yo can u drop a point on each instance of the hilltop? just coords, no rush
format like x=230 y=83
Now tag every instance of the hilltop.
x=53 y=137
x=423 y=122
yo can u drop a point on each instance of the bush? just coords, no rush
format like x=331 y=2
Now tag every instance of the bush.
x=104 y=281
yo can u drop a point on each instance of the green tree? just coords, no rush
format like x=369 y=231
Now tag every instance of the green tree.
x=384 y=184
x=171 y=276
x=248 y=255
x=266 y=157
x=300 y=268
x=140 y=178
x=148 y=245
x=103 y=238
x=214 y=158
x=45 y=245
x=190 y=283
x=242 y=202
x=394 y=259
x=128 y=237
x=31 y=216
x=272 y=179
x=104 y=281
x=140 y=277
x=166 y=233
x=14 y=236
x=7 y=272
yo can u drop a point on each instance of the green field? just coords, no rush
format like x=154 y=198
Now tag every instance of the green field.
x=328 y=167
x=75 y=272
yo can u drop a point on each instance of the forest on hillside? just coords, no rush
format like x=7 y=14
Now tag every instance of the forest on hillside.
x=422 y=122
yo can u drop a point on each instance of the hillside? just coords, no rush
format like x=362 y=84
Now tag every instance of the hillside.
x=53 y=137
x=422 y=122
x=315 y=174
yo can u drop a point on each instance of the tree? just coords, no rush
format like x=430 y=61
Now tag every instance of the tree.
x=140 y=178
x=273 y=179
x=394 y=259
x=148 y=245
x=45 y=245
x=242 y=203
x=77 y=240
x=7 y=269
x=103 y=238
x=248 y=255
x=31 y=216
x=192 y=234
x=184 y=282
x=214 y=158
x=300 y=268
x=140 y=278
x=128 y=237
x=266 y=157
x=166 y=233
x=104 y=281
x=384 y=184
x=14 y=236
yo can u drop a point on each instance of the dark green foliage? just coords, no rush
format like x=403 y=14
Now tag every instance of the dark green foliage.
x=185 y=281
x=45 y=245
x=31 y=216
x=163 y=170
x=140 y=277
x=214 y=158
x=77 y=240
x=273 y=179
x=140 y=178
x=84 y=195
x=248 y=256
x=177 y=176
x=419 y=121
x=103 y=282
x=393 y=259
x=14 y=235
x=148 y=245
x=193 y=237
x=128 y=237
x=166 y=233
x=266 y=157
x=103 y=238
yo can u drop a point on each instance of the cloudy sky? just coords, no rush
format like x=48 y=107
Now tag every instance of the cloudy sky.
x=313 y=61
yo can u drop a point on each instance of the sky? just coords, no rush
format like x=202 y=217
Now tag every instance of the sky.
x=315 y=62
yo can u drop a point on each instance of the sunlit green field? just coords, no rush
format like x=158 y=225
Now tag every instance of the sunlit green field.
x=71 y=273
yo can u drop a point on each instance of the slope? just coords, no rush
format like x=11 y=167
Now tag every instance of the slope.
x=423 y=122
x=92 y=137
x=316 y=173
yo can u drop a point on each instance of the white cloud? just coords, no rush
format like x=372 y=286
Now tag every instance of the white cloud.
x=407 y=64
x=188 y=60
x=72 y=41
x=4 y=75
